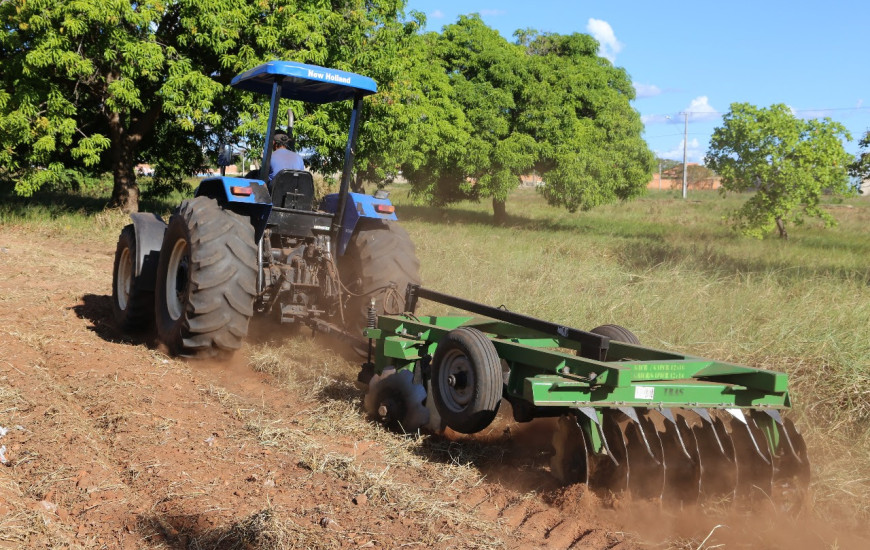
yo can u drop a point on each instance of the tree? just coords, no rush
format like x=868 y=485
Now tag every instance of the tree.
x=789 y=162
x=546 y=103
x=860 y=168
x=579 y=110
x=479 y=149
x=85 y=83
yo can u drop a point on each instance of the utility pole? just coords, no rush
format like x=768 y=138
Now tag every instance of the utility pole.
x=685 y=147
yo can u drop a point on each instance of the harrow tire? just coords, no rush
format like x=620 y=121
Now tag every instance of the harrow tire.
x=467 y=380
x=206 y=280
x=378 y=263
x=616 y=332
x=132 y=306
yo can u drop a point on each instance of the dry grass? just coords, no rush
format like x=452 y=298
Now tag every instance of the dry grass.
x=333 y=414
x=266 y=529
x=676 y=276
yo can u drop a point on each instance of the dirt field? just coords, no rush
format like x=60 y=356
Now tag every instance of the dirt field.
x=108 y=443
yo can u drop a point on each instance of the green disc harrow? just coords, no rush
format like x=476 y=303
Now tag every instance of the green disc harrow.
x=656 y=423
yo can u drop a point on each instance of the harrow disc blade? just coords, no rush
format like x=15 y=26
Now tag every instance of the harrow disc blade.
x=610 y=471
x=395 y=399
x=570 y=460
x=716 y=458
x=642 y=455
x=752 y=456
x=682 y=461
x=649 y=478
x=801 y=471
x=791 y=464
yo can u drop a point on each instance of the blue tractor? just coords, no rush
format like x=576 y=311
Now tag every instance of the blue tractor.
x=248 y=245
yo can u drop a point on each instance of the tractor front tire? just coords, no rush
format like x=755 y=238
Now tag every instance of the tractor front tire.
x=206 y=280
x=132 y=306
x=378 y=263
x=467 y=380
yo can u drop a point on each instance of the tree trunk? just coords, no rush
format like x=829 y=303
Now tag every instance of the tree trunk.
x=125 y=150
x=780 y=225
x=499 y=212
x=357 y=186
x=125 y=193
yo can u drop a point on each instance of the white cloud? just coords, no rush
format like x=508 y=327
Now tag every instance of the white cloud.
x=700 y=109
x=492 y=12
x=859 y=104
x=437 y=14
x=603 y=32
x=656 y=119
x=694 y=152
x=646 y=90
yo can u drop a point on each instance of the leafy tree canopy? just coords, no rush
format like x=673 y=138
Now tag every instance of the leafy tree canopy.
x=789 y=162
x=546 y=103
x=93 y=84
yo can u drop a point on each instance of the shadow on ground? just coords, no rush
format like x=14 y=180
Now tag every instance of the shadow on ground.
x=98 y=310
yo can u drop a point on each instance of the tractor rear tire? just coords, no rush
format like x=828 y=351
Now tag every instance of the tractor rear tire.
x=206 y=280
x=467 y=380
x=618 y=333
x=132 y=306
x=378 y=263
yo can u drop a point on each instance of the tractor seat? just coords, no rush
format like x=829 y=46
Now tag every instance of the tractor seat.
x=293 y=189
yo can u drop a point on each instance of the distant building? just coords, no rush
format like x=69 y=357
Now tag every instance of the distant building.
x=672 y=179
x=531 y=180
x=144 y=170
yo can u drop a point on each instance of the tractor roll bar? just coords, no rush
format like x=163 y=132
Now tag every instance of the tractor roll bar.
x=270 y=130
x=349 y=152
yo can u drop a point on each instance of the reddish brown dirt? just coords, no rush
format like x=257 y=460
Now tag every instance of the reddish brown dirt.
x=111 y=444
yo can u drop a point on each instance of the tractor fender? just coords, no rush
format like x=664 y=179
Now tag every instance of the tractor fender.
x=245 y=196
x=149 y=229
x=358 y=206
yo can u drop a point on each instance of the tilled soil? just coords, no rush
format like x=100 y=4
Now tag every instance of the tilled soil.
x=108 y=443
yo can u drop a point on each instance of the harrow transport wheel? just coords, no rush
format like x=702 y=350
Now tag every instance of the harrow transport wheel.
x=378 y=263
x=394 y=399
x=467 y=380
x=133 y=307
x=616 y=332
x=206 y=280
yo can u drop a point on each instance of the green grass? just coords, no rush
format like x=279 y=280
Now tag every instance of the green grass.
x=81 y=215
x=670 y=270
x=674 y=273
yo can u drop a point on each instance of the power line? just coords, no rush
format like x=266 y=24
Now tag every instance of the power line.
x=818 y=110
x=680 y=134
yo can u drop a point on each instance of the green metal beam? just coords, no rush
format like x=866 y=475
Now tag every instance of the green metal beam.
x=556 y=391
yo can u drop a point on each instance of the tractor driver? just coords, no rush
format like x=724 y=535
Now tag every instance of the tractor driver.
x=282 y=157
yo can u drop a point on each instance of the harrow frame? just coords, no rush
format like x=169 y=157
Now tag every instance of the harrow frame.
x=613 y=394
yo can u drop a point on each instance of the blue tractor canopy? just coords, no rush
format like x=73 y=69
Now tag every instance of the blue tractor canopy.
x=311 y=84
x=308 y=83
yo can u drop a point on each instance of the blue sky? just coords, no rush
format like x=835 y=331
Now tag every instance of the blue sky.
x=699 y=57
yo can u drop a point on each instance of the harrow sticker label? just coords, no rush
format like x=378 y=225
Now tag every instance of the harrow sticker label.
x=644 y=392
x=659 y=371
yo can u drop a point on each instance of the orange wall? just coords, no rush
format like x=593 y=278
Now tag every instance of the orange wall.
x=677 y=183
